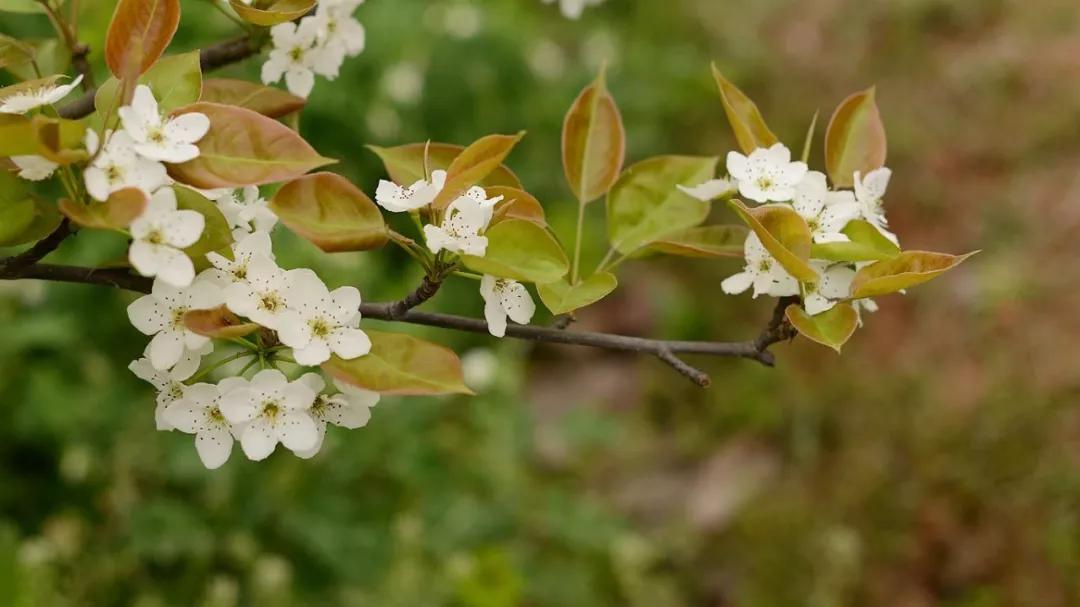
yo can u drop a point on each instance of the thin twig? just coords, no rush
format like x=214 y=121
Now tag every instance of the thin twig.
x=427 y=289
x=37 y=252
x=697 y=376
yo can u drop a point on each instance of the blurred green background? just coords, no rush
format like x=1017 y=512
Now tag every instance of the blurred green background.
x=937 y=462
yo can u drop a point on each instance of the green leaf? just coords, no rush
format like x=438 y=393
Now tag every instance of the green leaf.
x=832 y=328
x=520 y=250
x=50 y=55
x=266 y=100
x=705 y=241
x=784 y=233
x=593 y=142
x=401 y=364
x=330 y=212
x=14 y=52
x=216 y=236
x=21 y=6
x=244 y=147
x=645 y=205
x=907 y=269
x=855 y=139
x=278 y=11
x=27 y=136
x=867 y=244
x=560 y=297
x=473 y=164
x=23 y=217
x=15 y=217
x=746 y=121
x=175 y=80
x=405 y=163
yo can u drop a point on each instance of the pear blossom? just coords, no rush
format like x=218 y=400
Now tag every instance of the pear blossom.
x=350 y=408
x=269 y=409
x=462 y=224
x=158 y=138
x=199 y=412
x=503 y=298
x=34 y=168
x=572 y=9
x=825 y=212
x=320 y=322
x=161 y=315
x=339 y=36
x=169 y=383
x=118 y=166
x=762 y=271
x=261 y=295
x=397 y=199
x=834 y=284
x=709 y=190
x=32 y=98
x=227 y=271
x=245 y=210
x=160 y=234
x=295 y=56
x=869 y=192
x=767 y=175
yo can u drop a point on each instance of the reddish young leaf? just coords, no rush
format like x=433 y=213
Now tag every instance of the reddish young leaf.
x=401 y=364
x=331 y=212
x=473 y=164
x=218 y=323
x=593 y=142
x=278 y=11
x=855 y=139
x=746 y=120
x=244 y=147
x=266 y=100
x=405 y=163
x=907 y=269
x=516 y=204
x=138 y=34
x=784 y=233
x=116 y=213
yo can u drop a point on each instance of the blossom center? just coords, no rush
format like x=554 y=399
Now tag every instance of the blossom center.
x=156 y=135
x=297 y=54
x=114 y=173
x=271 y=408
x=178 y=317
x=270 y=302
x=217 y=416
x=319 y=327
x=764 y=265
x=176 y=390
x=765 y=182
x=156 y=236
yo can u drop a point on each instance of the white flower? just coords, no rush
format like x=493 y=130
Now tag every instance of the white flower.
x=199 y=413
x=170 y=383
x=397 y=199
x=465 y=219
x=270 y=409
x=33 y=98
x=294 y=56
x=767 y=175
x=869 y=192
x=339 y=36
x=834 y=283
x=245 y=209
x=572 y=9
x=827 y=213
x=34 y=168
x=502 y=298
x=261 y=296
x=709 y=190
x=320 y=322
x=161 y=314
x=864 y=305
x=160 y=234
x=119 y=166
x=163 y=139
x=762 y=271
x=229 y=271
x=350 y=409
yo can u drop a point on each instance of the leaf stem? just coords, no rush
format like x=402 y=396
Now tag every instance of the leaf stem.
x=219 y=364
x=574 y=273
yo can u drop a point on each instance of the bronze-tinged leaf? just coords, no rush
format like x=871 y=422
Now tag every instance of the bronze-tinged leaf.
x=59 y=140
x=268 y=14
x=832 y=328
x=176 y=81
x=865 y=243
x=907 y=269
x=784 y=233
x=516 y=204
x=855 y=139
x=266 y=100
x=331 y=212
x=705 y=241
x=561 y=297
x=405 y=163
x=218 y=323
x=244 y=147
x=746 y=120
x=116 y=213
x=593 y=142
x=139 y=33
x=24 y=136
x=403 y=365
x=473 y=164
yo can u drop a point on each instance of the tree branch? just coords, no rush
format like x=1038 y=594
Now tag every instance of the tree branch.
x=212 y=57
x=37 y=252
x=427 y=289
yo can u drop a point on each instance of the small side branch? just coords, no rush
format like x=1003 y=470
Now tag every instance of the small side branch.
x=37 y=252
x=695 y=375
x=427 y=289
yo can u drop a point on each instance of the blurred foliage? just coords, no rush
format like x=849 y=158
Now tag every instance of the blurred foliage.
x=935 y=463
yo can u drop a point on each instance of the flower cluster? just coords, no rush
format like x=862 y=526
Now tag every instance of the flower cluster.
x=317 y=44
x=459 y=229
x=768 y=175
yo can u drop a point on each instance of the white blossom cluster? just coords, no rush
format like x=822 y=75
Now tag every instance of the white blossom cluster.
x=461 y=231
x=768 y=175
x=572 y=9
x=318 y=44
